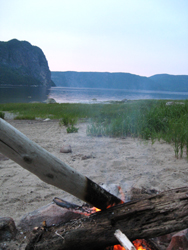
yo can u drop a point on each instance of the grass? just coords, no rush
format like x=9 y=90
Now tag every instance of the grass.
x=147 y=119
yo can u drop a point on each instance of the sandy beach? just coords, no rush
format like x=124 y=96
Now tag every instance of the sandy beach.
x=127 y=162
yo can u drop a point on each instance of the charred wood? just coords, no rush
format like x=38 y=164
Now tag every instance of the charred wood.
x=141 y=219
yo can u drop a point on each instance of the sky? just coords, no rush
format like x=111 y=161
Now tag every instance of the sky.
x=143 y=37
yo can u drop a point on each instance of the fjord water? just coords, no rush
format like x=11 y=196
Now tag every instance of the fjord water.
x=25 y=94
x=94 y=95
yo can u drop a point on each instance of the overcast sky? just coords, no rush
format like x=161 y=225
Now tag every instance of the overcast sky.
x=143 y=37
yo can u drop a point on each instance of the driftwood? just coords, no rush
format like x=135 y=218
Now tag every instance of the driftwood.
x=50 y=169
x=142 y=219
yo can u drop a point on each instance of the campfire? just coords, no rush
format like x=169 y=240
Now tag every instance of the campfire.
x=139 y=244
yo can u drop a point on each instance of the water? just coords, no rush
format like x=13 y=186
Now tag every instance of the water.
x=93 y=95
x=23 y=94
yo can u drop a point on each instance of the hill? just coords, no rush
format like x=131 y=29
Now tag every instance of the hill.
x=108 y=80
x=23 y=64
x=178 y=83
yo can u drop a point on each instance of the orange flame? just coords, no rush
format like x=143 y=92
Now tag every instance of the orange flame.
x=138 y=244
x=118 y=247
x=95 y=209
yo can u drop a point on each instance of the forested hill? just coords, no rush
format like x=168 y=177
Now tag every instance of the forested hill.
x=23 y=64
x=161 y=82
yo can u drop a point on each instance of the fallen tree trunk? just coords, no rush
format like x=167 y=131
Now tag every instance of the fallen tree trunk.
x=150 y=217
x=50 y=169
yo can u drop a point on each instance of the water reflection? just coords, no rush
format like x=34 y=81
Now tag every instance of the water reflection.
x=23 y=94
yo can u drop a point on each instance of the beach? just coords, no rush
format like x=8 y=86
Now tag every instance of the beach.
x=127 y=162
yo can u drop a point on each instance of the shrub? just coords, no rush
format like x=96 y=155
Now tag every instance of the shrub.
x=2 y=115
x=67 y=120
x=72 y=129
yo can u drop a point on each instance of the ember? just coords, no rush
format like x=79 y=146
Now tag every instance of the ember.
x=139 y=245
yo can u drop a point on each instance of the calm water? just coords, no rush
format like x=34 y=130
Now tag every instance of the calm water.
x=15 y=94
x=89 y=95
x=80 y=95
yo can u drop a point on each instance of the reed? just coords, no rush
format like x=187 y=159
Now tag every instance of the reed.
x=147 y=119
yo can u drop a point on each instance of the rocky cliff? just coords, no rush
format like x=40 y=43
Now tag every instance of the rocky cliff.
x=23 y=64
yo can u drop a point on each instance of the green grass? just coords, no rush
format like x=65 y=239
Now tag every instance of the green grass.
x=147 y=119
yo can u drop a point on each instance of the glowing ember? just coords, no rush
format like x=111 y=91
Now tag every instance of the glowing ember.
x=118 y=247
x=139 y=245
x=95 y=209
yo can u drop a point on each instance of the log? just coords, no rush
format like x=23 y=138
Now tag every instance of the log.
x=50 y=169
x=142 y=219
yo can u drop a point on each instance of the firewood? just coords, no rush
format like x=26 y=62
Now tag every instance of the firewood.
x=50 y=169
x=141 y=219
x=123 y=240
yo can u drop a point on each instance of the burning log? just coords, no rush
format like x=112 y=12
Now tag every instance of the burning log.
x=141 y=219
x=50 y=169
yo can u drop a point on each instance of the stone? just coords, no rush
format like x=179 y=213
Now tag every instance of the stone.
x=66 y=149
x=114 y=189
x=46 y=120
x=3 y=157
x=7 y=229
x=179 y=241
x=50 y=101
x=50 y=214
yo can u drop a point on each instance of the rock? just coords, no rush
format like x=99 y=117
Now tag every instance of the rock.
x=85 y=157
x=50 y=101
x=114 y=189
x=51 y=214
x=46 y=120
x=7 y=229
x=66 y=149
x=162 y=242
x=23 y=64
x=179 y=241
x=3 y=157
x=124 y=100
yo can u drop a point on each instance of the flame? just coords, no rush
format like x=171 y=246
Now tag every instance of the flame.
x=122 y=194
x=118 y=247
x=95 y=209
x=141 y=244
x=138 y=244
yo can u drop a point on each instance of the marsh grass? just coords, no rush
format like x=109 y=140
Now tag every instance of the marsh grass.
x=147 y=119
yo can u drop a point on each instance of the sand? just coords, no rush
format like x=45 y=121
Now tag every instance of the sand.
x=127 y=162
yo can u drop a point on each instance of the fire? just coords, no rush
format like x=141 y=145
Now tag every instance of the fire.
x=141 y=244
x=118 y=247
x=138 y=244
x=95 y=209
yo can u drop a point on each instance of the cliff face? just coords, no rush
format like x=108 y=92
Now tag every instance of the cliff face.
x=23 y=64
